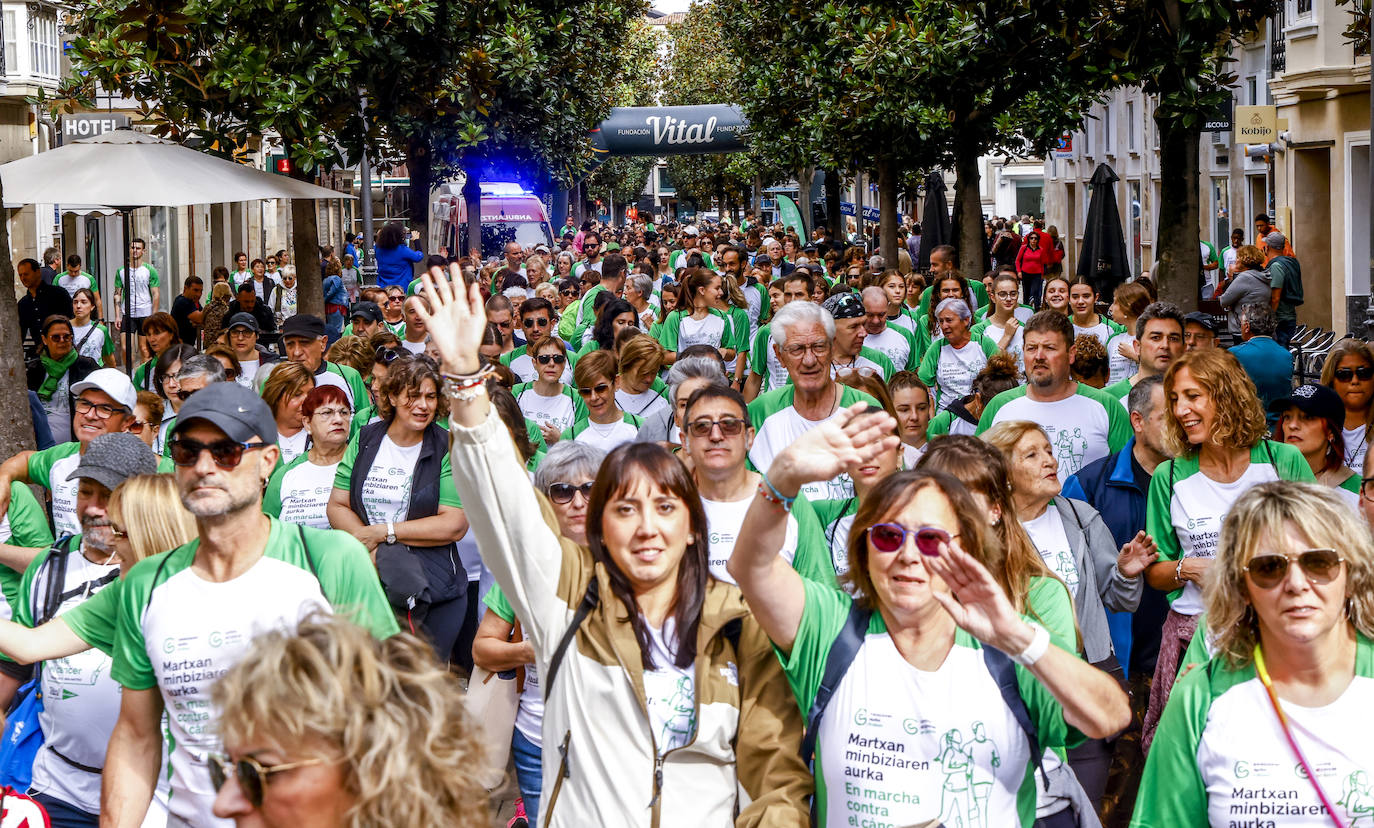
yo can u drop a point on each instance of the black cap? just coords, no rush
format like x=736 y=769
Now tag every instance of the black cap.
x=1314 y=401
x=844 y=306
x=110 y=459
x=303 y=324
x=368 y=311
x=1206 y=320
x=233 y=409
x=244 y=320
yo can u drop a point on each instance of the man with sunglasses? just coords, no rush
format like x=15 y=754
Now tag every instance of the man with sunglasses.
x=303 y=340
x=243 y=333
x=591 y=249
x=105 y=402
x=536 y=320
x=80 y=700
x=188 y=615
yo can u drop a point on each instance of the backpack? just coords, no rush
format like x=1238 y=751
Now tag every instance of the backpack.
x=1292 y=279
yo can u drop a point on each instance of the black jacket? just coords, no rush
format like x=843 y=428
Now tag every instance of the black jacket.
x=261 y=312
x=46 y=301
x=36 y=373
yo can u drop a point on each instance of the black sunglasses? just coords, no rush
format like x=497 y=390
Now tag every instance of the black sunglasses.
x=1364 y=372
x=557 y=359
x=185 y=395
x=386 y=355
x=252 y=774
x=538 y=320
x=227 y=454
x=564 y=492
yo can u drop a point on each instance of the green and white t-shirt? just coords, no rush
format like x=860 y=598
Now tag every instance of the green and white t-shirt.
x=836 y=518
x=80 y=699
x=1120 y=367
x=866 y=360
x=25 y=525
x=1121 y=392
x=1185 y=508
x=763 y=360
x=949 y=371
x=680 y=331
x=607 y=436
x=179 y=633
x=646 y=403
x=898 y=345
x=724 y=518
x=386 y=489
x=298 y=492
x=1052 y=542
x=1220 y=758
x=994 y=333
x=1084 y=426
x=141 y=293
x=522 y=364
x=902 y=746
x=560 y=410
x=49 y=468
x=678 y=258
x=777 y=423
x=1104 y=330
x=95 y=341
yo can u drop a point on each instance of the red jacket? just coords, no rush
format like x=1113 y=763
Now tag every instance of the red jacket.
x=1032 y=261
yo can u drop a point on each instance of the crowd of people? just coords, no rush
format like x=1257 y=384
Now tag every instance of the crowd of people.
x=689 y=525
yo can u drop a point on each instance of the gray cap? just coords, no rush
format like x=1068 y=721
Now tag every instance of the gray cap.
x=243 y=319
x=1275 y=240
x=110 y=459
x=231 y=408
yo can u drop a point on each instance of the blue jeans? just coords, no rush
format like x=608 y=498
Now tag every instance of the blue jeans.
x=529 y=773
x=1284 y=330
x=64 y=815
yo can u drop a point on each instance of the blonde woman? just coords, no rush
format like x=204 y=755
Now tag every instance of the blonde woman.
x=1279 y=717
x=329 y=726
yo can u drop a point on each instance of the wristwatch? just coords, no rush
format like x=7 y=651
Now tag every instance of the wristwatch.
x=390 y=532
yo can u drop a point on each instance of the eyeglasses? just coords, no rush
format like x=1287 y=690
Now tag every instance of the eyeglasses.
x=1321 y=566
x=564 y=492
x=227 y=454
x=386 y=355
x=798 y=350
x=1364 y=372
x=395 y=300
x=729 y=427
x=118 y=533
x=60 y=337
x=557 y=359
x=333 y=412
x=889 y=537
x=252 y=774
x=1006 y=294
x=137 y=425
x=102 y=410
x=600 y=388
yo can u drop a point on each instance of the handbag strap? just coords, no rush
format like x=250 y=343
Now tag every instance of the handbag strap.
x=590 y=599
x=1263 y=674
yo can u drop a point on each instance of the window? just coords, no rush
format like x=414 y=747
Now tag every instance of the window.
x=9 y=60
x=43 y=45
x=1107 y=130
x=1304 y=7
x=1252 y=90
x=1131 y=143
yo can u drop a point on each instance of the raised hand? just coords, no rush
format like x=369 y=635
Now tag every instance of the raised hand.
x=853 y=436
x=456 y=320
x=976 y=602
x=1137 y=555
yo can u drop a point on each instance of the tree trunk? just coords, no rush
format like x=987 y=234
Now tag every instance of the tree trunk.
x=968 y=213
x=305 y=250
x=720 y=198
x=16 y=426
x=1178 y=258
x=472 y=198
x=834 y=219
x=860 y=190
x=758 y=198
x=887 y=207
x=420 y=168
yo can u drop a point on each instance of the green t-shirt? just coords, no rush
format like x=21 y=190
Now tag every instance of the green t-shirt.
x=680 y=331
x=93 y=620
x=26 y=526
x=913 y=747
x=179 y=632
x=298 y=492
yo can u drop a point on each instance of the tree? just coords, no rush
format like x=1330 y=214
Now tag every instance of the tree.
x=16 y=426
x=622 y=178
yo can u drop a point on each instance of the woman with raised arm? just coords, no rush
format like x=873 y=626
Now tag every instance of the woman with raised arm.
x=663 y=698
x=932 y=670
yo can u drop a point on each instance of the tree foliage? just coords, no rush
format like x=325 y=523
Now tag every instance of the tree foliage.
x=622 y=178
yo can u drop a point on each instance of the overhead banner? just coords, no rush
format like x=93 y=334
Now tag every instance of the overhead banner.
x=789 y=214
x=671 y=130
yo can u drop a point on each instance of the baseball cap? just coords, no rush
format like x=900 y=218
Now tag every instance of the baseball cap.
x=233 y=409
x=110 y=459
x=691 y=230
x=303 y=324
x=1313 y=400
x=1203 y=319
x=113 y=382
x=844 y=306
x=612 y=247
x=244 y=320
x=1275 y=240
x=368 y=311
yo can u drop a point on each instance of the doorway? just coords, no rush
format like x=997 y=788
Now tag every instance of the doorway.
x=1311 y=231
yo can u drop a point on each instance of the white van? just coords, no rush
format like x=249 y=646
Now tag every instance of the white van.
x=509 y=213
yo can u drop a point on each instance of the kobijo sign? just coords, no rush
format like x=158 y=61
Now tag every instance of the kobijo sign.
x=1256 y=125
x=87 y=124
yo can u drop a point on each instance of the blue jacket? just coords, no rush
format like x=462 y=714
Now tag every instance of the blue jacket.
x=1109 y=486
x=396 y=266
x=1270 y=366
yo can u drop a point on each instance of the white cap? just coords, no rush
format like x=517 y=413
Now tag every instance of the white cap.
x=112 y=382
x=690 y=230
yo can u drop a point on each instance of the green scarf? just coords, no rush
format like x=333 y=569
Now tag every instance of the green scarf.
x=56 y=370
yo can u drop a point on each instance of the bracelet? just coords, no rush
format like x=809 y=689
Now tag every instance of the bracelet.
x=777 y=496
x=1035 y=650
x=465 y=387
x=1178 y=571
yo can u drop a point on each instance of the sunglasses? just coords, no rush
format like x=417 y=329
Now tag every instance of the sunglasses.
x=889 y=537
x=1364 y=372
x=530 y=323
x=185 y=395
x=386 y=355
x=564 y=492
x=556 y=359
x=60 y=337
x=567 y=293
x=729 y=426
x=600 y=388
x=1321 y=566
x=227 y=454
x=252 y=774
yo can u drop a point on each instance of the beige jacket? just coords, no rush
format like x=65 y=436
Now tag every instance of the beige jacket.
x=601 y=766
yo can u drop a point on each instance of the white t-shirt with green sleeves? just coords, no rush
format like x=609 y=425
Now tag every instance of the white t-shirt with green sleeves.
x=681 y=331
x=777 y=424
x=994 y=334
x=1104 y=330
x=763 y=360
x=180 y=633
x=1185 y=508
x=897 y=344
x=1084 y=426
x=1120 y=367
x=1050 y=540
x=560 y=410
x=724 y=519
x=49 y=468
x=866 y=360
x=140 y=294
x=949 y=371
x=1220 y=758
x=605 y=436
x=902 y=746
x=298 y=492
